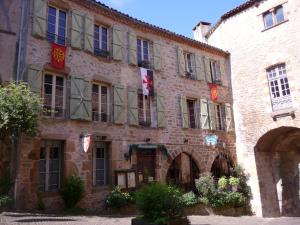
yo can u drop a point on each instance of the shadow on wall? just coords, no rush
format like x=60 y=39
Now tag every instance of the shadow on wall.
x=277 y=156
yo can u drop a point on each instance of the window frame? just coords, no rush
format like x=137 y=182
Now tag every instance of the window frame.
x=106 y=159
x=100 y=27
x=47 y=147
x=53 y=94
x=220 y=116
x=145 y=123
x=194 y=111
x=273 y=13
x=142 y=40
x=273 y=75
x=189 y=65
x=57 y=17
x=100 y=85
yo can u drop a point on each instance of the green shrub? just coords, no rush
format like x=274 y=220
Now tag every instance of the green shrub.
x=5 y=185
x=235 y=199
x=159 y=203
x=190 y=199
x=234 y=181
x=5 y=201
x=223 y=183
x=205 y=185
x=243 y=188
x=204 y=200
x=73 y=191
x=117 y=199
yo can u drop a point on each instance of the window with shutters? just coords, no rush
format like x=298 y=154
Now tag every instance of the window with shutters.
x=191 y=107
x=220 y=117
x=279 y=87
x=189 y=65
x=213 y=71
x=144 y=109
x=273 y=16
x=54 y=96
x=57 y=22
x=101 y=41
x=51 y=155
x=144 y=53
x=100 y=102
x=100 y=164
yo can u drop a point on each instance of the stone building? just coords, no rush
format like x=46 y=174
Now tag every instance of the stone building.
x=171 y=135
x=262 y=38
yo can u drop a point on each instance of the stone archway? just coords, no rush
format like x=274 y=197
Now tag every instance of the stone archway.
x=183 y=171
x=222 y=166
x=277 y=156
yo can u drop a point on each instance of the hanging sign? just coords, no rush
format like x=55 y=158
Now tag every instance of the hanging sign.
x=58 y=56
x=213 y=92
x=85 y=142
x=147 y=82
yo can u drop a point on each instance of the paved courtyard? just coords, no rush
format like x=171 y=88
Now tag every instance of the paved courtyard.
x=11 y=218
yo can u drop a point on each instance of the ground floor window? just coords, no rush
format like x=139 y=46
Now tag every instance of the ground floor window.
x=51 y=154
x=100 y=164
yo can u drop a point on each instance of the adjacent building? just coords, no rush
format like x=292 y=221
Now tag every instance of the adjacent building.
x=262 y=38
x=125 y=102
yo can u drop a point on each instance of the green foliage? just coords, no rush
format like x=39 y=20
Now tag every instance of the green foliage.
x=5 y=201
x=204 y=200
x=73 y=191
x=234 y=181
x=117 y=199
x=19 y=110
x=236 y=199
x=243 y=187
x=206 y=185
x=223 y=183
x=190 y=199
x=160 y=203
x=5 y=184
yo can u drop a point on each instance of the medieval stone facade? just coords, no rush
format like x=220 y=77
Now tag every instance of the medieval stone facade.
x=262 y=37
x=98 y=95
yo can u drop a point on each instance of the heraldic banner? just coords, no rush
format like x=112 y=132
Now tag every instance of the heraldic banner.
x=147 y=82
x=58 y=56
x=213 y=92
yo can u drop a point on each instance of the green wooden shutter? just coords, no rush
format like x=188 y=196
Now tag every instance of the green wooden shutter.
x=204 y=114
x=200 y=67
x=184 y=112
x=218 y=71
x=76 y=29
x=132 y=48
x=117 y=39
x=34 y=78
x=181 y=63
x=160 y=111
x=228 y=117
x=207 y=70
x=119 y=104
x=133 y=112
x=80 y=99
x=212 y=115
x=39 y=28
x=157 y=55
x=89 y=33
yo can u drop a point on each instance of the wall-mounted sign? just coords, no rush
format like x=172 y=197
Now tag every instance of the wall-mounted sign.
x=211 y=140
x=58 y=56
x=213 y=92
x=126 y=178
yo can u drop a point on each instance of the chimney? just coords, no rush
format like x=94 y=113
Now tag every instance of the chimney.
x=200 y=30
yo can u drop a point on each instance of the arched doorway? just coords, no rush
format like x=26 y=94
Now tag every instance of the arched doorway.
x=277 y=155
x=183 y=171
x=222 y=166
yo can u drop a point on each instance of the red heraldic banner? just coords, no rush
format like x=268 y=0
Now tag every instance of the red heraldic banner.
x=213 y=92
x=147 y=82
x=58 y=56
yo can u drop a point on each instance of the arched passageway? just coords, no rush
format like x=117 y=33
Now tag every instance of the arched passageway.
x=183 y=171
x=277 y=155
x=222 y=166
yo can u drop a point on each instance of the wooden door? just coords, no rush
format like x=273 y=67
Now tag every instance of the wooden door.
x=146 y=164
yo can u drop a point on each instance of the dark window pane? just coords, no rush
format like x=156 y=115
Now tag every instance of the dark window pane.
x=279 y=15
x=95 y=88
x=100 y=153
x=268 y=19
x=191 y=111
x=104 y=38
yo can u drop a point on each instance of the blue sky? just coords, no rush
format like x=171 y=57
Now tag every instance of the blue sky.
x=179 y=16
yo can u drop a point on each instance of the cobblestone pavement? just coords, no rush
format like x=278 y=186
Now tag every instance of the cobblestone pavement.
x=12 y=218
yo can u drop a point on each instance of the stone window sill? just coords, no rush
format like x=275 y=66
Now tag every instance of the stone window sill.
x=283 y=113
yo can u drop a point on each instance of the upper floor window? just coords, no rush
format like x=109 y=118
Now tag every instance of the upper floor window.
x=101 y=40
x=100 y=164
x=144 y=109
x=143 y=53
x=51 y=154
x=273 y=17
x=191 y=107
x=100 y=103
x=189 y=64
x=214 y=72
x=54 y=96
x=57 y=20
x=279 y=87
x=220 y=116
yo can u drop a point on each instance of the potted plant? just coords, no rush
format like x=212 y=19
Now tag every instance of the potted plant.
x=160 y=204
x=234 y=183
